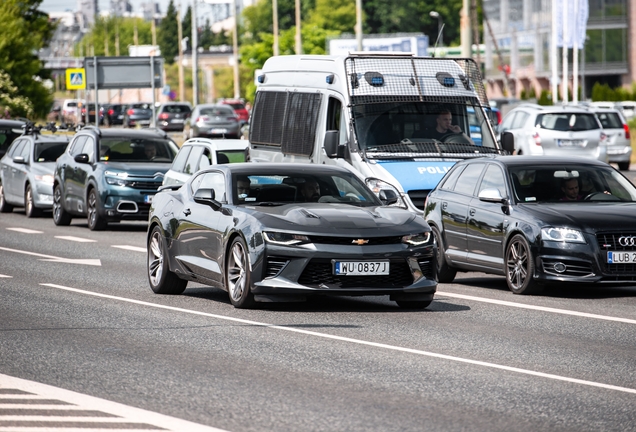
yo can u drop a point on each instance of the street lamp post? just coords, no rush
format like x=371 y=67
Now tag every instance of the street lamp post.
x=440 y=23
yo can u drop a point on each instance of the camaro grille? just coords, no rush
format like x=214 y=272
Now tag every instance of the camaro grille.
x=274 y=266
x=319 y=271
x=427 y=267
x=348 y=241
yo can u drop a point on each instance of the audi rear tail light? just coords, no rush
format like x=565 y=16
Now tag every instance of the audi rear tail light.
x=626 y=128
x=163 y=116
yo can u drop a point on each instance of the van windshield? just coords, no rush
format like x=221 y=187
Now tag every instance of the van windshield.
x=422 y=126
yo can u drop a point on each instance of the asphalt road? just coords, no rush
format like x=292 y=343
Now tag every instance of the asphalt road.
x=77 y=314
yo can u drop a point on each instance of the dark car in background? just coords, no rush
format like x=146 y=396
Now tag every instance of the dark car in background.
x=114 y=114
x=171 y=116
x=9 y=131
x=535 y=220
x=26 y=171
x=109 y=175
x=253 y=230
x=212 y=120
x=138 y=114
x=88 y=113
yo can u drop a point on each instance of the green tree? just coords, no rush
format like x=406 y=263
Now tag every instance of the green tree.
x=168 y=35
x=25 y=30
x=104 y=31
x=186 y=26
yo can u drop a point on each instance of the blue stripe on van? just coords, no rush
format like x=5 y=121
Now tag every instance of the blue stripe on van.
x=415 y=175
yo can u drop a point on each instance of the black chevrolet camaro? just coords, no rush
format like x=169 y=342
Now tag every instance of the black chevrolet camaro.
x=286 y=232
x=535 y=220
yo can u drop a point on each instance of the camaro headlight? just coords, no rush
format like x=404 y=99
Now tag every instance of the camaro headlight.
x=567 y=235
x=285 y=238
x=376 y=185
x=417 y=239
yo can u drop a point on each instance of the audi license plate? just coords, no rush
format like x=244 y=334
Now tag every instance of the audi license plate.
x=360 y=268
x=623 y=257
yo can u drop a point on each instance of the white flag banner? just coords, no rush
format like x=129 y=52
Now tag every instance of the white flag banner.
x=577 y=12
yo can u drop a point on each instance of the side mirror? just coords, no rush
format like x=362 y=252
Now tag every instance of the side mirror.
x=19 y=160
x=508 y=142
x=491 y=195
x=81 y=158
x=331 y=144
x=388 y=196
x=207 y=197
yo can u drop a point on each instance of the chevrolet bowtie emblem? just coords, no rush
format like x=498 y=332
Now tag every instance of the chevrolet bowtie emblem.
x=359 y=242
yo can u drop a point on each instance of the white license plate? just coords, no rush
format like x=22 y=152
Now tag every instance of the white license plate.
x=622 y=257
x=360 y=268
x=148 y=199
x=218 y=131
x=176 y=121
x=570 y=143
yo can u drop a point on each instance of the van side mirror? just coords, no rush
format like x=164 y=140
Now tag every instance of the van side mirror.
x=508 y=142
x=331 y=144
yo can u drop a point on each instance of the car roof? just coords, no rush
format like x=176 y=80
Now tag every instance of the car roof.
x=218 y=144
x=521 y=160
x=120 y=132
x=12 y=123
x=278 y=168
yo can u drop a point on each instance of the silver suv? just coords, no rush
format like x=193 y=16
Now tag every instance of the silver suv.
x=619 y=146
x=556 y=131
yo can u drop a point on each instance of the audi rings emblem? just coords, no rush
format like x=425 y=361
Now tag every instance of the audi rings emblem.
x=627 y=241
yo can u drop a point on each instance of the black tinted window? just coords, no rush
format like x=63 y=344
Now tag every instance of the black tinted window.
x=610 y=120
x=48 y=152
x=468 y=179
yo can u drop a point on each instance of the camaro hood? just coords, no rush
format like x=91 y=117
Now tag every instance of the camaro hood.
x=334 y=218
x=588 y=216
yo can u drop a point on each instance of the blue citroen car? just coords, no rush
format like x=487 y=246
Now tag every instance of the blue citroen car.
x=110 y=175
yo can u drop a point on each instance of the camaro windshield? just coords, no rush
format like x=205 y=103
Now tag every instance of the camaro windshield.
x=570 y=183
x=269 y=189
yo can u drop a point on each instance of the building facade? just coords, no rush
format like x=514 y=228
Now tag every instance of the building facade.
x=521 y=44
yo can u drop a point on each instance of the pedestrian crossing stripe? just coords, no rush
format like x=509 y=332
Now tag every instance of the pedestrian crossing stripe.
x=75 y=79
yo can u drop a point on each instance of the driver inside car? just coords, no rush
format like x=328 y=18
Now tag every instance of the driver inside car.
x=444 y=126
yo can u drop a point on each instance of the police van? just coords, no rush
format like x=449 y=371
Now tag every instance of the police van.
x=374 y=114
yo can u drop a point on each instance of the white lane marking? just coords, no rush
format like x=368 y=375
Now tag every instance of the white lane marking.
x=356 y=341
x=76 y=239
x=128 y=417
x=93 y=262
x=132 y=248
x=25 y=230
x=5 y=276
x=538 y=308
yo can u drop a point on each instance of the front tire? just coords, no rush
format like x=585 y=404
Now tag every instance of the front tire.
x=445 y=273
x=161 y=279
x=95 y=221
x=520 y=267
x=30 y=209
x=4 y=206
x=237 y=275
x=60 y=216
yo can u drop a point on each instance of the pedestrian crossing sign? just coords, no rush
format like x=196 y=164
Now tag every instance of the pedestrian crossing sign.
x=75 y=79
